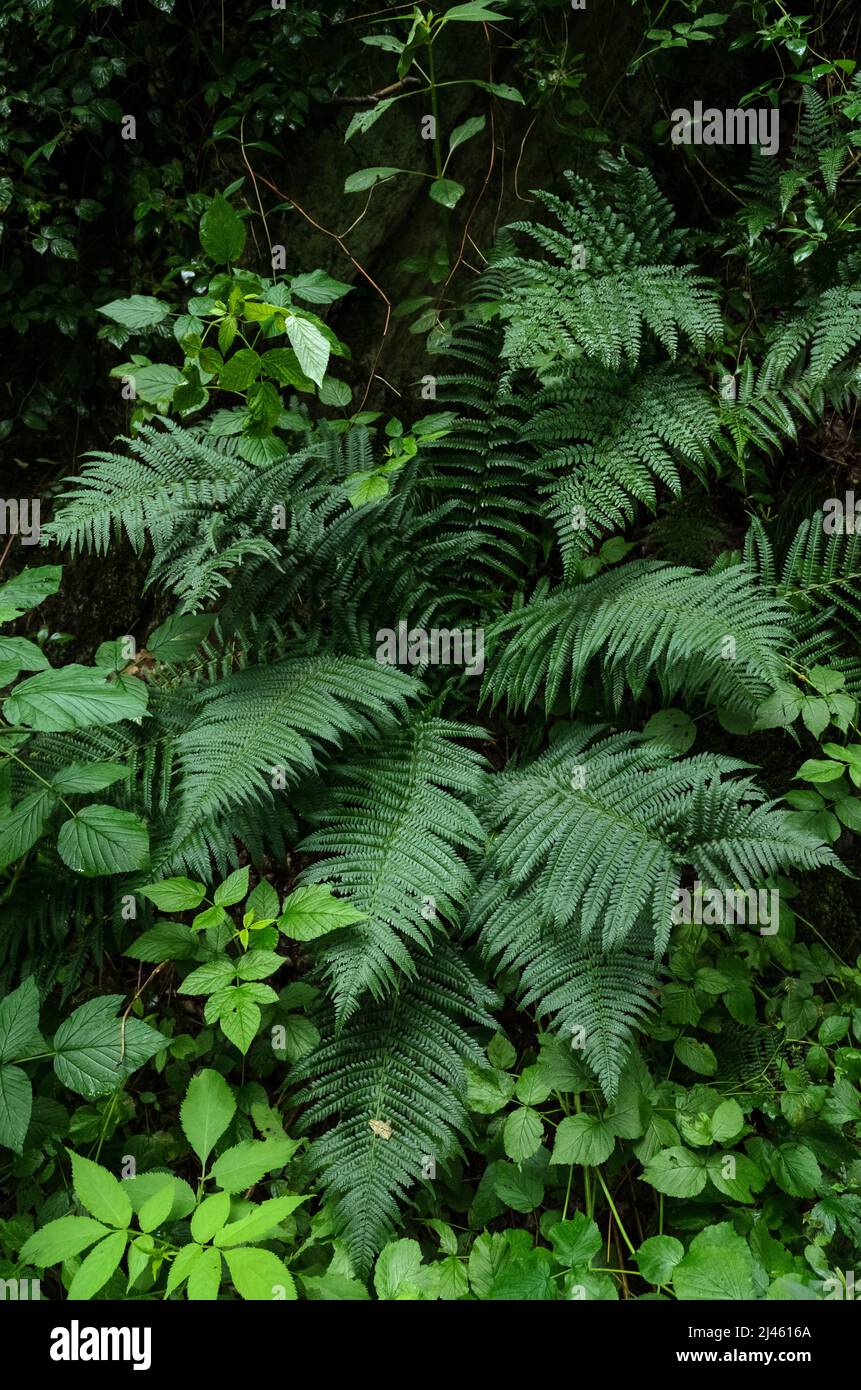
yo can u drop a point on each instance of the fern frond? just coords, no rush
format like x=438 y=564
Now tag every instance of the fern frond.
x=645 y=618
x=394 y=829
x=609 y=850
x=394 y=1082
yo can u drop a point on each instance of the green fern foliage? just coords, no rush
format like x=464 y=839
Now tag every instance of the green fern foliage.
x=396 y=823
x=393 y=1082
x=611 y=281
x=645 y=619
x=597 y=999
x=603 y=829
x=611 y=439
x=265 y=725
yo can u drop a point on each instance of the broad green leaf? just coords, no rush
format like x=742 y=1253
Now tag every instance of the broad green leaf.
x=147 y=1185
x=819 y=770
x=104 y=840
x=207 y=978
x=576 y=1241
x=521 y=1188
x=222 y=231
x=318 y=287
x=16 y=1104
x=167 y=941
x=584 y=1139
x=94 y=1052
x=175 y=894
x=87 y=777
x=260 y=1275
x=487 y=1257
x=727 y=1121
x=848 y=811
x=157 y=382
x=532 y=1087
x=206 y=1111
x=527 y=1279
x=795 y=1169
x=363 y=120
x=239 y=1016
x=155 y=1211
x=74 y=697
x=258 y=1224
x=448 y=192
x=210 y=1216
x=179 y=636
x=233 y=889
x=263 y=901
x=677 y=1171
x=240 y=370
x=310 y=346
x=312 y=911
x=334 y=392
x=363 y=179
x=23 y=655
x=239 y=1168
x=717 y=1266
x=182 y=1266
x=501 y=1054
x=300 y=1036
x=258 y=965
x=60 y=1240
x=139 y=311
x=97 y=1267
x=282 y=365
x=696 y=1055
x=397 y=1269
x=488 y=1090
x=658 y=1256
x=473 y=126
x=204 y=1277
x=501 y=89
x=19 y=1020
x=100 y=1192
x=28 y=589
x=739 y=1179
x=522 y=1133
x=473 y=14
x=21 y=827
x=672 y=728
x=369 y=485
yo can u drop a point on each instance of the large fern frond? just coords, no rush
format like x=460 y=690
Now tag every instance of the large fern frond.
x=394 y=1083
x=395 y=827
x=715 y=634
